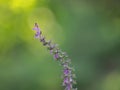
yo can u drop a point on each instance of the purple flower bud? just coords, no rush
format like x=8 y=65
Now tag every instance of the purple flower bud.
x=68 y=87
x=56 y=56
x=38 y=32
x=37 y=35
x=66 y=71
x=66 y=81
x=36 y=28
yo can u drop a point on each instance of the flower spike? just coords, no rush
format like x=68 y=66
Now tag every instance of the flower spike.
x=61 y=57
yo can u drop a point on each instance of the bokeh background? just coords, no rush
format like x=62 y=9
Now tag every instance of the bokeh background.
x=88 y=30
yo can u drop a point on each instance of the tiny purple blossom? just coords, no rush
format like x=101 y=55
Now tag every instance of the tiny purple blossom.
x=37 y=35
x=66 y=71
x=56 y=56
x=37 y=29
x=66 y=81
x=68 y=87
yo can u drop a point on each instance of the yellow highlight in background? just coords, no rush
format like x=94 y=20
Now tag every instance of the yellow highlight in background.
x=21 y=4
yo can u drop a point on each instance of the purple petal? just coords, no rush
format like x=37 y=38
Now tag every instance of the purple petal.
x=68 y=87
x=37 y=35
x=56 y=56
x=36 y=28
x=66 y=81
x=66 y=71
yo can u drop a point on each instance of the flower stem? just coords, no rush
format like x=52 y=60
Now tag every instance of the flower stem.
x=60 y=56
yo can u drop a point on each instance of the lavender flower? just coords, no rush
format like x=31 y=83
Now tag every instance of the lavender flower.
x=67 y=71
x=66 y=81
x=62 y=57
x=56 y=56
x=38 y=32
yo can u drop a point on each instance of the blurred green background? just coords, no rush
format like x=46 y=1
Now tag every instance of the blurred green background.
x=88 y=30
